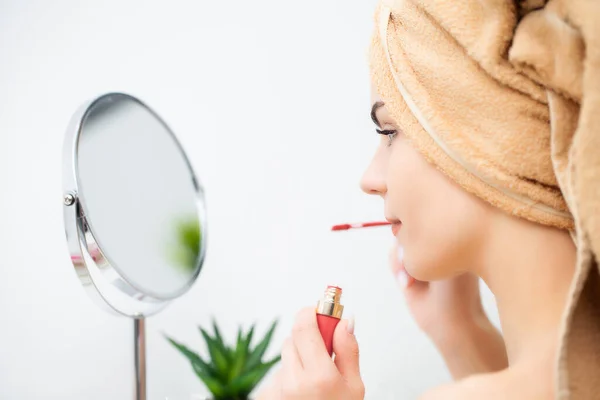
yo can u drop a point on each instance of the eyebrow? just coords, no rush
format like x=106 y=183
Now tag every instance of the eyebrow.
x=374 y=109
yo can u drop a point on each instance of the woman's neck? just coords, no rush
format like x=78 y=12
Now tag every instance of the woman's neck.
x=529 y=269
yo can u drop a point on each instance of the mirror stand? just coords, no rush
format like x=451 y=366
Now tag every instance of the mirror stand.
x=139 y=338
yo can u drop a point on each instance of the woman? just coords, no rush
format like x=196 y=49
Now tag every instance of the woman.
x=489 y=115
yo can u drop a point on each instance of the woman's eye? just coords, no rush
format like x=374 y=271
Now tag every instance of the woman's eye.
x=390 y=133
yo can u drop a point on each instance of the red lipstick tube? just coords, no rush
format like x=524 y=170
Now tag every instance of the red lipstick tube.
x=329 y=313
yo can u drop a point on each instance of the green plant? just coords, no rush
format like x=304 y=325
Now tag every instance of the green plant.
x=186 y=248
x=231 y=372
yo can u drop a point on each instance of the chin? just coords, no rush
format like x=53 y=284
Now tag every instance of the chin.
x=427 y=270
x=422 y=274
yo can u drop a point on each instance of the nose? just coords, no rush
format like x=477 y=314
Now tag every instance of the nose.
x=373 y=179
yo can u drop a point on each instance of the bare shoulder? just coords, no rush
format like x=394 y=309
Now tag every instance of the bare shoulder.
x=500 y=385
x=472 y=388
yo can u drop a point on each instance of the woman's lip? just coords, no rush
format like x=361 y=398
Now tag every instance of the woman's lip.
x=396 y=227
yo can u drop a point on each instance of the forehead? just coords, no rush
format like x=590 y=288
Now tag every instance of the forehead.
x=375 y=97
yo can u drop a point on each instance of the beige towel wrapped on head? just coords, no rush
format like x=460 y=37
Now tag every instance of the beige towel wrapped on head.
x=504 y=98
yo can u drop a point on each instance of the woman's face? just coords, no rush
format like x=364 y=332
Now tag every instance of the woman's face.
x=439 y=225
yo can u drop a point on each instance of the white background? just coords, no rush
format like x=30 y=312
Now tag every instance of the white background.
x=271 y=100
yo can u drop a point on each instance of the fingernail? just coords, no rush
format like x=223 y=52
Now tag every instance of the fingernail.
x=400 y=254
x=350 y=326
x=402 y=278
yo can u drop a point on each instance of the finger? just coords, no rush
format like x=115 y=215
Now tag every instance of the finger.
x=346 y=351
x=396 y=261
x=291 y=364
x=413 y=289
x=308 y=340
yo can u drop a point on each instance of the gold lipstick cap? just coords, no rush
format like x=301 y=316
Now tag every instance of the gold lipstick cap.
x=330 y=303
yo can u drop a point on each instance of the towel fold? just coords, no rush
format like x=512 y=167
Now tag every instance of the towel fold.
x=504 y=98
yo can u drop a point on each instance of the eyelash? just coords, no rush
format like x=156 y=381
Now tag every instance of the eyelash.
x=391 y=134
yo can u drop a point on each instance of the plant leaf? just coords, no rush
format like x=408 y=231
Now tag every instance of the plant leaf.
x=193 y=357
x=218 y=336
x=245 y=383
x=240 y=336
x=217 y=355
x=250 y=334
x=239 y=356
x=220 y=342
x=212 y=384
x=257 y=354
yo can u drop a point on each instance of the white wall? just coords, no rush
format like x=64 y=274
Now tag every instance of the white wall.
x=271 y=100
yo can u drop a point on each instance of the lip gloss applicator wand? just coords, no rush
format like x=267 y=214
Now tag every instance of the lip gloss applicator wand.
x=345 y=227
x=329 y=313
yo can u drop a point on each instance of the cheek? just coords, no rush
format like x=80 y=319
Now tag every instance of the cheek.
x=410 y=194
x=438 y=243
x=439 y=219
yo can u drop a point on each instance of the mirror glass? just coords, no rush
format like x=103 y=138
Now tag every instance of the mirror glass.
x=142 y=203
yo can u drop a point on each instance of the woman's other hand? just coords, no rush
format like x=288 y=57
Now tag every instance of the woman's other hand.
x=451 y=314
x=308 y=372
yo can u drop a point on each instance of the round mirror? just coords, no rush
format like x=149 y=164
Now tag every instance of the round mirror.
x=135 y=215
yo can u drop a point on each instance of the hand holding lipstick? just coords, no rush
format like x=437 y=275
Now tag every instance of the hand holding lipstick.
x=307 y=370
